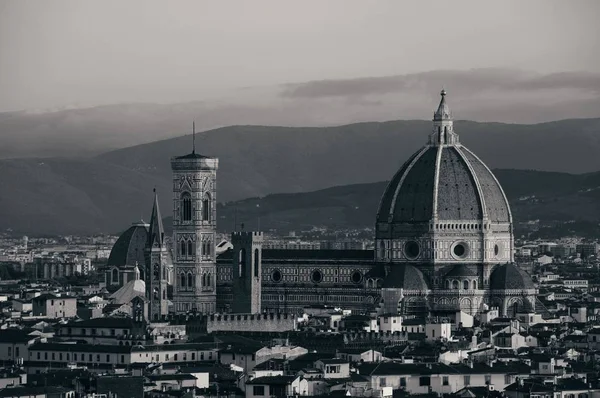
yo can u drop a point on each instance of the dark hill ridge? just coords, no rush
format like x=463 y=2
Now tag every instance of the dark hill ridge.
x=107 y=192
x=547 y=196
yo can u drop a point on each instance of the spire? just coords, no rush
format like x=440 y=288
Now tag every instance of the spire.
x=194 y=137
x=443 y=110
x=156 y=233
x=443 y=130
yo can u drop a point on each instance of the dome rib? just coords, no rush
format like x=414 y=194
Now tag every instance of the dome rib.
x=497 y=206
x=475 y=180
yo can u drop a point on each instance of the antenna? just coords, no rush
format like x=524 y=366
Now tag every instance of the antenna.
x=194 y=137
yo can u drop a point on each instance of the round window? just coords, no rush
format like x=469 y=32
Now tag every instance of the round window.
x=460 y=250
x=496 y=250
x=276 y=276
x=412 y=250
x=356 y=277
x=316 y=276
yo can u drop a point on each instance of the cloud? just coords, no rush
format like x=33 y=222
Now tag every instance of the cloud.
x=469 y=82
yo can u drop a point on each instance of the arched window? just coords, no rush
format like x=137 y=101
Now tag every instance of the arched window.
x=208 y=251
x=164 y=294
x=115 y=276
x=165 y=273
x=455 y=285
x=186 y=206
x=242 y=263
x=206 y=208
x=182 y=281
x=466 y=285
x=382 y=249
x=183 y=248
x=190 y=248
x=203 y=280
x=190 y=280
x=447 y=284
x=256 y=262
x=208 y=280
x=474 y=285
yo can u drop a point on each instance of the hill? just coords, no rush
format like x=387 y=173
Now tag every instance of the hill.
x=105 y=193
x=563 y=203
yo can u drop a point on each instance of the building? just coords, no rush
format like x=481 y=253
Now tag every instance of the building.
x=444 y=243
x=51 y=306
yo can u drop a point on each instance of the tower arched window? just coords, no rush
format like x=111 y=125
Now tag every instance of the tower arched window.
x=203 y=280
x=183 y=248
x=190 y=280
x=256 y=262
x=182 y=282
x=242 y=263
x=447 y=284
x=115 y=276
x=190 y=248
x=206 y=210
x=208 y=280
x=186 y=206
x=466 y=285
x=455 y=285
x=474 y=285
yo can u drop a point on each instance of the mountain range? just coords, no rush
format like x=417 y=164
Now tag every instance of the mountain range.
x=106 y=192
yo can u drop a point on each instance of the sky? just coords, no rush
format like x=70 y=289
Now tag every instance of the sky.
x=85 y=53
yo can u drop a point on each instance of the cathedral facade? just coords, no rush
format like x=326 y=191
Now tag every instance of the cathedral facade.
x=444 y=243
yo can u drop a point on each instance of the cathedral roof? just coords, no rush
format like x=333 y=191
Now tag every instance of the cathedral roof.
x=129 y=248
x=128 y=291
x=443 y=181
x=509 y=276
x=405 y=276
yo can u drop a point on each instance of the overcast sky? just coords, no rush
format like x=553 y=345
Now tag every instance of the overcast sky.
x=58 y=53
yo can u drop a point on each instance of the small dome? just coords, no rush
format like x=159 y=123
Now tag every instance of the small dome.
x=129 y=248
x=509 y=276
x=461 y=271
x=405 y=277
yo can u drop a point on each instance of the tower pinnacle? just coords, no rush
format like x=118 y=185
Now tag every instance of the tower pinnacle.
x=156 y=233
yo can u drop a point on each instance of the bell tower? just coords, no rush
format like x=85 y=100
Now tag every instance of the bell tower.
x=247 y=272
x=194 y=232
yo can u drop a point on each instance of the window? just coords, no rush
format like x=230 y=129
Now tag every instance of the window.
x=382 y=382
x=445 y=381
x=258 y=390
x=242 y=263
x=186 y=207
x=202 y=356
x=75 y=357
x=191 y=248
x=424 y=381
x=89 y=357
x=115 y=276
x=208 y=280
x=9 y=351
x=182 y=281
x=403 y=382
x=467 y=380
x=38 y=355
x=107 y=357
x=112 y=332
x=97 y=357
x=183 y=249
x=466 y=285
x=122 y=358
x=206 y=208
x=16 y=351
x=60 y=356
x=256 y=262
x=190 y=280
x=194 y=356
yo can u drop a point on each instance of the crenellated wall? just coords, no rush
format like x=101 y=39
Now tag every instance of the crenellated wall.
x=251 y=323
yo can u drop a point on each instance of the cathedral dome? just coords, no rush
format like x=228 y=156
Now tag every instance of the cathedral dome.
x=509 y=276
x=443 y=181
x=405 y=277
x=129 y=248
